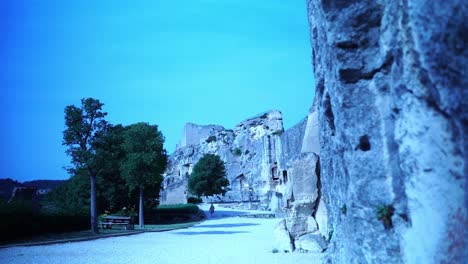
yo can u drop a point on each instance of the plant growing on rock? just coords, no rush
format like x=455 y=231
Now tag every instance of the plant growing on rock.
x=344 y=209
x=330 y=235
x=237 y=152
x=278 y=133
x=384 y=214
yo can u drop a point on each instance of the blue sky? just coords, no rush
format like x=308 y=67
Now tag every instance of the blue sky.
x=162 y=62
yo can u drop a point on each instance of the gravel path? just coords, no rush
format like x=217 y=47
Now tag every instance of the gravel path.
x=224 y=238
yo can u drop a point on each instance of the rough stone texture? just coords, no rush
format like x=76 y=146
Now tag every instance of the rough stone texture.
x=267 y=168
x=249 y=153
x=391 y=97
x=311 y=141
x=298 y=184
x=282 y=239
x=312 y=242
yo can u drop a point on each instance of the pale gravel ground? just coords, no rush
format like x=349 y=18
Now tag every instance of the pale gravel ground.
x=221 y=239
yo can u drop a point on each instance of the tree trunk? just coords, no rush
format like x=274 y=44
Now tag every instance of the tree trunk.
x=94 y=221
x=140 y=214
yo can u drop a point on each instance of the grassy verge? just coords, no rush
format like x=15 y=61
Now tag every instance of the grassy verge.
x=158 y=228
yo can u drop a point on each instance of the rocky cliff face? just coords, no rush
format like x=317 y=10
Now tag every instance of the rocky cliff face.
x=267 y=168
x=249 y=152
x=391 y=96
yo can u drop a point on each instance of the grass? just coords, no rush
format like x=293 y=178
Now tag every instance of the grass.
x=156 y=228
x=84 y=235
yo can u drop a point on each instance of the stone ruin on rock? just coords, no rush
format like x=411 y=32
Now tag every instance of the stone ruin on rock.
x=249 y=152
x=268 y=169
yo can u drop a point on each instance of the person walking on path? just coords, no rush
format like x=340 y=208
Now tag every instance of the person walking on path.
x=212 y=209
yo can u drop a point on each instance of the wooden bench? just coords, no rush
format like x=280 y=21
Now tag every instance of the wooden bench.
x=109 y=221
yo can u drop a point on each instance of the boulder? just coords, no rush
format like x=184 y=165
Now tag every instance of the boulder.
x=312 y=242
x=299 y=220
x=283 y=242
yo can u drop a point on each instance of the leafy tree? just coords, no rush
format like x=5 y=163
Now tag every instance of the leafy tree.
x=145 y=160
x=82 y=126
x=72 y=197
x=208 y=177
x=112 y=193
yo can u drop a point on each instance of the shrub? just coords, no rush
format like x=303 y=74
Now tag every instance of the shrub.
x=125 y=212
x=176 y=209
x=194 y=200
x=20 y=220
x=277 y=133
x=384 y=214
x=237 y=152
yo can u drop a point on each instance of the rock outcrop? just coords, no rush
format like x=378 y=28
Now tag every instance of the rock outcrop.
x=391 y=94
x=267 y=168
x=249 y=152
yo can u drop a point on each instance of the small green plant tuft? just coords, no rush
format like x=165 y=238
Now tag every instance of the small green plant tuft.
x=194 y=200
x=237 y=152
x=277 y=133
x=343 y=209
x=330 y=235
x=384 y=214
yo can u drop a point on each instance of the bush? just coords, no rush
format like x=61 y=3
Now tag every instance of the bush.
x=130 y=213
x=384 y=214
x=20 y=220
x=194 y=200
x=176 y=209
x=237 y=152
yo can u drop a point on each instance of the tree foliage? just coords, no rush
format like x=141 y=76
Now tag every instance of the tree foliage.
x=115 y=163
x=208 y=177
x=82 y=127
x=145 y=160
x=145 y=157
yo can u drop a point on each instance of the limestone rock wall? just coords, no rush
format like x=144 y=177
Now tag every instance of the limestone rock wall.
x=391 y=96
x=249 y=153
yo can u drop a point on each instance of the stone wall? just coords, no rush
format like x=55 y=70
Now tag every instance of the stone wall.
x=391 y=96
x=249 y=153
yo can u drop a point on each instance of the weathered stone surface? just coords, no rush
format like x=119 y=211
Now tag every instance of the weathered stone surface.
x=391 y=97
x=303 y=178
x=321 y=217
x=312 y=242
x=311 y=141
x=299 y=220
x=249 y=153
x=283 y=241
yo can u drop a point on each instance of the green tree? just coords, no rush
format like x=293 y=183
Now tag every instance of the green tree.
x=112 y=192
x=82 y=126
x=145 y=160
x=208 y=177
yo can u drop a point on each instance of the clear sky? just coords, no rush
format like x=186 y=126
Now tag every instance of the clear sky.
x=159 y=61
